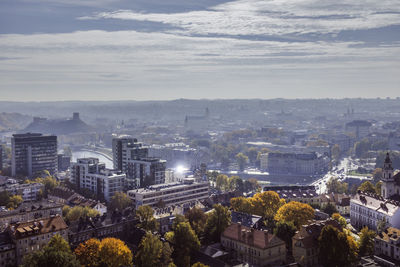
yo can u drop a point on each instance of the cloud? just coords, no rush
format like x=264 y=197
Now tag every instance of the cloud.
x=273 y=17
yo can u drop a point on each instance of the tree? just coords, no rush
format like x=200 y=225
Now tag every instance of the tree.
x=73 y=214
x=146 y=218
x=382 y=225
x=251 y=185
x=353 y=249
x=185 y=242
x=342 y=221
x=199 y=264
x=235 y=183
x=266 y=204
x=334 y=248
x=221 y=182
x=153 y=252
x=377 y=174
x=329 y=209
x=88 y=253
x=56 y=253
x=295 y=212
x=335 y=186
x=178 y=219
x=48 y=181
x=285 y=231
x=241 y=160
x=197 y=219
x=368 y=187
x=252 y=154
x=10 y=201
x=366 y=241
x=241 y=204
x=115 y=253
x=217 y=221
x=120 y=201
x=361 y=148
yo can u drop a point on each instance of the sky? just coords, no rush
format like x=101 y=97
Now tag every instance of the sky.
x=160 y=50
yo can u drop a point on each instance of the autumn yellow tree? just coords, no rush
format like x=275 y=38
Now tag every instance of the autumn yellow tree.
x=266 y=204
x=296 y=212
x=241 y=204
x=88 y=253
x=115 y=253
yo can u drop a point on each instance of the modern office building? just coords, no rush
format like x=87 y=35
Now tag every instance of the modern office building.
x=89 y=173
x=33 y=153
x=170 y=194
x=119 y=150
x=145 y=171
x=64 y=162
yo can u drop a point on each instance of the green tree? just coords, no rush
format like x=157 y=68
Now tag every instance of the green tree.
x=153 y=252
x=329 y=209
x=235 y=183
x=185 y=242
x=285 y=231
x=241 y=204
x=218 y=220
x=296 y=212
x=335 y=186
x=120 y=201
x=251 y=185
x=367 y=187
x=197 y=219
x=241 y=160
x=73 y=214
x=252 y=154
x=377 y=174
x=333 y=246
x=382 y=225
x=221 y=182
x=56 y=253
x=146 y=218
x=178 y=219
x=366 y=241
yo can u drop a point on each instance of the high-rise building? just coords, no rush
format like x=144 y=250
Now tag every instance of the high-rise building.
x=64 y=162
x=92 y=175
x=132 y=158
x=33 y=153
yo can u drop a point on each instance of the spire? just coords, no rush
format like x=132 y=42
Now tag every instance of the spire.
x=388 y=160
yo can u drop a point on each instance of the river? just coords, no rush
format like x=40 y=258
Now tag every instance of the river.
x=92 y=154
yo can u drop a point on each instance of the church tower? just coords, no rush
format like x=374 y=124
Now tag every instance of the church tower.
x=388 y=182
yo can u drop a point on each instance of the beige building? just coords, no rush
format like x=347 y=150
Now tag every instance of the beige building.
x=256 y=247
x=387 y=244
x=32 y=236
x=305 y=242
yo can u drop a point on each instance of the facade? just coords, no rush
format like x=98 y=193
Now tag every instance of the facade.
x=305 y=242
x=256 y=247
x=28 y=192
x=264 y=161
x=387 y=245
x=89 y=173
x=177 y=154
x=145 y=171
x=64 y=162
x=170 y=194
x=359 y=128
x=32 y=236
x=296 y=163
x=132 y=158
x=29 y=211
x=33 y=153
x=7 y=251
x=368 y=209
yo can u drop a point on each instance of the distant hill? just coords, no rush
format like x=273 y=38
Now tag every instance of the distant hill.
x=13 y=121
x=59 y=126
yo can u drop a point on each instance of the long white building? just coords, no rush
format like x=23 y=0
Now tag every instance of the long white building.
x=170 y=194
x=89 y=173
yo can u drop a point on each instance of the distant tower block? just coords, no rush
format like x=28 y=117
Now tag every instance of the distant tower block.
x=75 y=116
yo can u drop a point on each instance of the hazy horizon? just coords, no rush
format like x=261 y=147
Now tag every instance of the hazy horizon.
x=240 y=49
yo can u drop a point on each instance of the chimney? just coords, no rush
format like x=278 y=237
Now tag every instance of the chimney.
x=75 y=116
